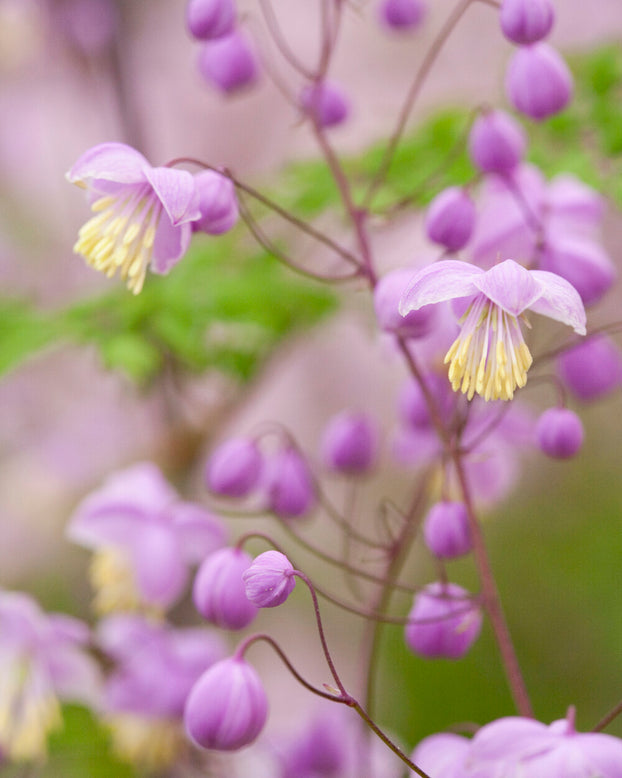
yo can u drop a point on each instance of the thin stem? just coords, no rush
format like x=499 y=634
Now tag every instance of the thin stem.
x=279 y=39
x=606 y=720
x=411 y=98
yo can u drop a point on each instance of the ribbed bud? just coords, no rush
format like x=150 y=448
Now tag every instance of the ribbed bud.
x=450 y=218
x=326 y=102
x=592 y=369
x=526 y=21
x=350 y=443
x=234 y=468
x=217 y=202
x=269 y=581
x=289 y=486
x=559 y=433
x=209 y=19
x=496 y=142
x=228 y=63
x=446 y=530
x=218 y=590
x=402 y=15
x=387 y=295
x=445 y=622
x=538 y=82
x=227 y=707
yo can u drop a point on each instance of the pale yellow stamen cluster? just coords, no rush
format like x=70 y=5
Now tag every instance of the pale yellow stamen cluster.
x=112 y=578
x=29 y=710
x=120 y=237
x=489 y=357
x=151 y=743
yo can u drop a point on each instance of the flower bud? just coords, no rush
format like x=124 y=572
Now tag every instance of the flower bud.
x=401 y=14
x=326 y=102
x=228 y=63
x=269 y=581
x=526 y=21
x=445 y=623
x=234 y=468
x=217 y=203
x=218 y=591
x=582 y=262
x=496 y=142
x=209 y=19
x=412 y=405
x=227 y=707
x=559 y=433
x=446 y=530
x=289 y=485
x=349 y=443
x=538 y=82
x=450 y=218
x=387 y=295
x=592 y=369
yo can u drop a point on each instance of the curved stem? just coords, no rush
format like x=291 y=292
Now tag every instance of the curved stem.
x=281 y=42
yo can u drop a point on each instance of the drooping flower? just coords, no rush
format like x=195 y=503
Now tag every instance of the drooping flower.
x=269 y=581
x=43 y=658
x=143 y=214
x=490 y=357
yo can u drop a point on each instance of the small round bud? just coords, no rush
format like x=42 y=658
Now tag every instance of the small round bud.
x=559 y=433
x=592 y=369
x=412 y=405
x=228 y=63
x=526 y=21
x=401 y=15
x=269 y=581
x=289 y=485
x=349 y=443
x=580 y=261
x=445 y=623
x=538 y=82
x=446 y=530
x=450 y=218
x=218 y=590
x=227 y=707
x=217 y=203
x=496 y=142
x=326 y=102
x=387 y=296
x=208 y=19
x=234 y=468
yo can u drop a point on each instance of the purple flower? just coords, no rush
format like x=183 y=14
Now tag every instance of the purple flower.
x=490 y=357
x=387 y=293
x=350 y=443
x=269 y=581
x=450 y=218
x=234 y=468
x=526 y=21
x=559 y=433
x=446 y=530
x=538 y=82
x=443 y=622
x=208 y=19
x=43 y=658
x=592 y=369
x=319 y=750
x=496 y=142
x=227 y=707
x=229 y=63
x=145 y=538
x=143 y=213
x=218 y=590
x=326 y=103
x=402 y=14
x=217 y=202
x=289 y=485
x=442 y=755
x=581 y=261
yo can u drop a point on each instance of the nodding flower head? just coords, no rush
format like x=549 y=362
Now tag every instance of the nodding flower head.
x=142 y=214
x=490 y=357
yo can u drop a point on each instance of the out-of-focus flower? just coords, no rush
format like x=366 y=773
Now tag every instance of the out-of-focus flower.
x=227 y=707
x=581 y=261
x=591 y=369
x=143 y=213
x=443 y=622
x=43 y=658
x=217 y=203
x=450 y=218
x=218 y=590
x=387 y=294
x=155 y=666
x=538 y=82
x=290 y=492
x=208 y=19
x=89 y=25
x=270 y=580
x=496 y=142
x=526 y=21
x=229 y=63
x=490 y=356
x=446 y=530
x=319 y=750
x=144 y=537
x=559 y=433
x=402 y=14
x=326 y=103
x=350 y=443
x=234 y=468
x=442 y=755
